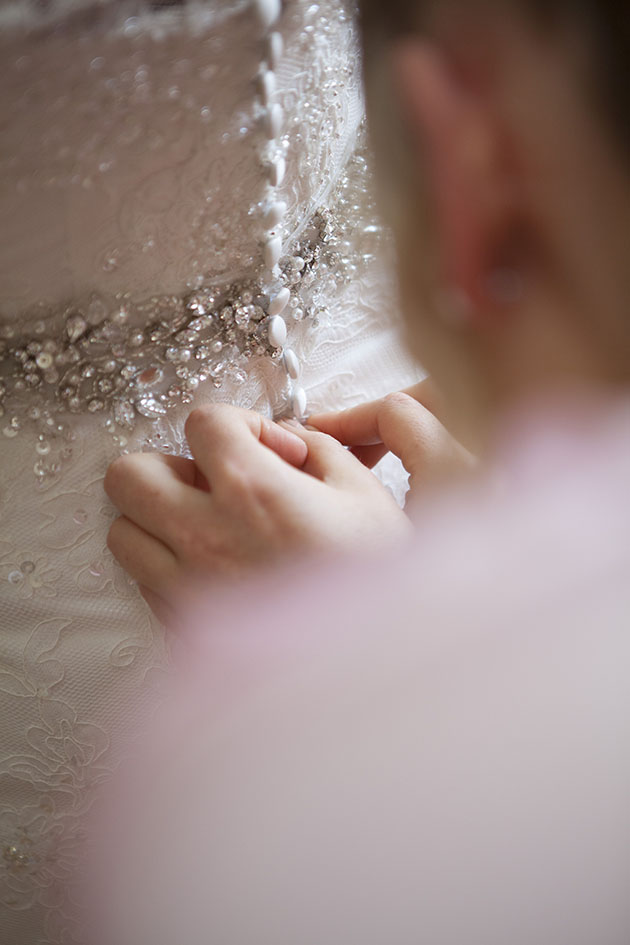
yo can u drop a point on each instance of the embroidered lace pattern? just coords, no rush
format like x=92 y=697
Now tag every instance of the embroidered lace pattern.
x=156 y=211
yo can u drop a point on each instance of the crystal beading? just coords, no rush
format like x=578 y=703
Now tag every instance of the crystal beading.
x=141 y=360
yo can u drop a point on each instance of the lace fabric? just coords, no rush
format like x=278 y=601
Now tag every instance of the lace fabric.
x=107 y=162
x=148 y=179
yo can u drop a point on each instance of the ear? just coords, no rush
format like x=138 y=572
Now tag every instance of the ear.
x=457 y=139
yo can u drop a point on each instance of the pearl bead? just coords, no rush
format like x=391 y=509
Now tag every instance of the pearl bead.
x=277 y=331
x=292 y=364
x=279 y=302
x=277 y=170
x=273 y=120
x=75 y=326
x=44 y=360
x=267 y=11
x=276 y=48
x=272 y=251
x=274 y=214
x=299 y=402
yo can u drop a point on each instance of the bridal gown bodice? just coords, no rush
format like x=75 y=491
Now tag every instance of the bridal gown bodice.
x=186 y=216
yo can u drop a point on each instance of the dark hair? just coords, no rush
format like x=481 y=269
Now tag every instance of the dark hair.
x=605 y=24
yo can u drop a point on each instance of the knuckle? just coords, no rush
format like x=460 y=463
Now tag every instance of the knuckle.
x=117 y=473
x=185 y=535
x=197 y=419
x=397 y=401
x=239 y=482
x=196 y=543
x=205 y=417
x=249 y=492
x=114 y=536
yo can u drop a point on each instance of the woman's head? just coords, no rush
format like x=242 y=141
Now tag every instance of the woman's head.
x=503 y=136
x=605 y=24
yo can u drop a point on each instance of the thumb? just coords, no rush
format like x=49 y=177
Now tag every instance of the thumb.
x=359 y=426
x=399 y=424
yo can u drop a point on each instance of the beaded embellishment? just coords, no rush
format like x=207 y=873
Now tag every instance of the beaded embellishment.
x=107 y=360
x=125 y=360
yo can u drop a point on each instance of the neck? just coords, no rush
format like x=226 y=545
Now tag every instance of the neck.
x=535 y=357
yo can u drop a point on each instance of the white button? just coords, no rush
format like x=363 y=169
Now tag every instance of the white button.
x=272 y=251
x=277 y=331
x=267 y=11
x=274 y=214
x=299 y=402
x=274 y=118
x=277 y=170
x=267 y=86
x=279 y=302
x=292 y=364
x=276 y=48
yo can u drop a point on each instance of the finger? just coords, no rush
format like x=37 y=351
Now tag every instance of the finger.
x=160 y=607
x=186 y=469
x=181 y=466
x=408 y=430
x=143 y=557
x=328 y=460
x=360 y=425
x=370 y=455
x=147 y=488
x=417 y=437
x=426 y=393
x=222 y=436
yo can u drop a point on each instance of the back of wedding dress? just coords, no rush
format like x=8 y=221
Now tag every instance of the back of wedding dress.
x=186 y=216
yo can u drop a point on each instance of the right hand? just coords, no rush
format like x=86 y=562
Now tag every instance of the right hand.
x=404 y=423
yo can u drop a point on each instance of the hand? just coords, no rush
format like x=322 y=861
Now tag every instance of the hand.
x=256 y=492
x=406 y=424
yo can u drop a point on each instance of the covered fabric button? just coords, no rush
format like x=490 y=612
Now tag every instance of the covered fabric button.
x=267 y=86
x=279 y=302
x=292 y=364
x=277 y=331
x=274 y=214
x=267 y=11
x=276 y=48
x=273 y=121
x=299 y=402
x=277 y=170
x=272 y=251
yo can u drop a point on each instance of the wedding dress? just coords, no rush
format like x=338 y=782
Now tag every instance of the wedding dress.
x=186 y=216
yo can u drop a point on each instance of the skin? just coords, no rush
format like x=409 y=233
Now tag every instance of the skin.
x=252 y=496
x=509 y=170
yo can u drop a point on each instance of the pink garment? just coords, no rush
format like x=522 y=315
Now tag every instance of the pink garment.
x=432 y=748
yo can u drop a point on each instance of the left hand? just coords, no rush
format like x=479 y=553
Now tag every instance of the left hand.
x=256 y=492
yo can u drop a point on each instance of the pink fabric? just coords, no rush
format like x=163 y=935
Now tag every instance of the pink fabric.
x=430 y=748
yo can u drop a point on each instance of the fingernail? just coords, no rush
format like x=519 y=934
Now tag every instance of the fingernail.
x=289 y=422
